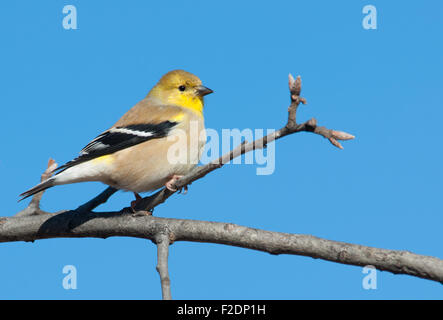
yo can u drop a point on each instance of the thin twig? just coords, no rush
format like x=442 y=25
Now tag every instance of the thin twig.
x=162 y=241
x=149 y=203
x=34 y=205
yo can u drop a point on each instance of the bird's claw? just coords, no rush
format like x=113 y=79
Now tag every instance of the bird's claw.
x=170 y=184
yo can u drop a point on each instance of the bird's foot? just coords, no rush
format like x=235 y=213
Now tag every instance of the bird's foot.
x=170 y=183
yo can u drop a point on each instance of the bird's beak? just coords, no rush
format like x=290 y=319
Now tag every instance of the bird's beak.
x=203 y=91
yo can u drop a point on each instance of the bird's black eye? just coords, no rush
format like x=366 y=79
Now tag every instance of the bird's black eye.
x=182 y=88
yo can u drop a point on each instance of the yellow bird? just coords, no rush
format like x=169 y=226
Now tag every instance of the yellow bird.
x=156 y=142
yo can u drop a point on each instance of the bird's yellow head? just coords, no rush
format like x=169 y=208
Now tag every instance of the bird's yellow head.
x=180 y=88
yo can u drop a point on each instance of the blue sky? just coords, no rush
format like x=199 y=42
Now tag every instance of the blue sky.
x=60 y=88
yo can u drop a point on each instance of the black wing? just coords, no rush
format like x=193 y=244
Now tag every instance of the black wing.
x=119 y=138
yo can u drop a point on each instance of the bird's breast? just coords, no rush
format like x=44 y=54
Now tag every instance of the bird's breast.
x=155 y=161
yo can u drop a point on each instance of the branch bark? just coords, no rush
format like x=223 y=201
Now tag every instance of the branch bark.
x=33 y=224
x=162 y=240
x=72 y=224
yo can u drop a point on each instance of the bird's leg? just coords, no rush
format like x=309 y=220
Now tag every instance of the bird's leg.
x=136 y=201
x=169 y=184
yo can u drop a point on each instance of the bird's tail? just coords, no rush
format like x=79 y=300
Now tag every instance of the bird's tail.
x=40 y=187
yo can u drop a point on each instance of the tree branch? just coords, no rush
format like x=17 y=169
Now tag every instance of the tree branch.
x=162 y=240
x=149 y=203
x=33 y=224
x=71 y=224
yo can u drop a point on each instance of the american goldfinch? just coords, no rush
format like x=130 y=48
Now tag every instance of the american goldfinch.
x=135 y=153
